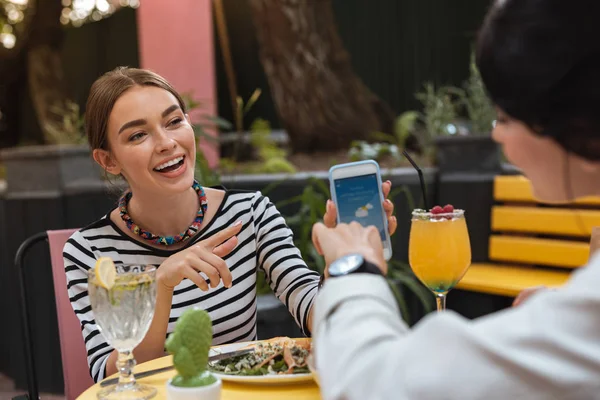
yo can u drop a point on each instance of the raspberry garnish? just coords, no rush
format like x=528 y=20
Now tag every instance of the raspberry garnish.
x=437 y=210
x=448 y=208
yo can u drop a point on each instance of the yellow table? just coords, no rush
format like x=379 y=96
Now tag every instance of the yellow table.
x=231 y=391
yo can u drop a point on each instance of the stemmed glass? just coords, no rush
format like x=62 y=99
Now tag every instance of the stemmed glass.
x=439 y=251
x=123 y=314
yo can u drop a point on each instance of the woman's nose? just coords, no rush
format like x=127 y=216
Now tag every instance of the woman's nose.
x=164 y=141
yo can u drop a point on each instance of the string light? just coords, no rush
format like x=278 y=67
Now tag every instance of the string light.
x=74 y=12
x=11 y=13
x=78 y=12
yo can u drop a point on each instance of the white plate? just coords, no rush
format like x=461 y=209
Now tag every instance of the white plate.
x=261 y=379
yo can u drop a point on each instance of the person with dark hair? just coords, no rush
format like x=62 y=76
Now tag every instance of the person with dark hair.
x=540 y=61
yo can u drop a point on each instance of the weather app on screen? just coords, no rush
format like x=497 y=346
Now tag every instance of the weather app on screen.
x=358 y=200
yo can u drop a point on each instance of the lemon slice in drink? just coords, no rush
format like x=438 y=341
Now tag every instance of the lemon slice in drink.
x=106 y=273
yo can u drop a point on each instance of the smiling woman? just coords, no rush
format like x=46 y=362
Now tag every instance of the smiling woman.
x=207 y=242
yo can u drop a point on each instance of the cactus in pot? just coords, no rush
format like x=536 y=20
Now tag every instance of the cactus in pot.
x=189 y=344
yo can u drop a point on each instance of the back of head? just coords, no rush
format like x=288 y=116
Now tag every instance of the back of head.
x=105 y=92
x=540 y=61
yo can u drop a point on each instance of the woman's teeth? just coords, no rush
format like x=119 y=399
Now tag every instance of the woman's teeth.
x=169 y=163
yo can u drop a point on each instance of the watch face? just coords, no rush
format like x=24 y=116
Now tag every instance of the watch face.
x=346 y=264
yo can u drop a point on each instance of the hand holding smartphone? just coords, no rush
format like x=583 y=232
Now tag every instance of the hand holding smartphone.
x=356 y=192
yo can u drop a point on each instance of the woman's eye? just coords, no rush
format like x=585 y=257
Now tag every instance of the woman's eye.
x=175 y=121
x=136 y=136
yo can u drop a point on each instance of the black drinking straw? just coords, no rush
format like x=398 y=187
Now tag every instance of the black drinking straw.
x=414 y=164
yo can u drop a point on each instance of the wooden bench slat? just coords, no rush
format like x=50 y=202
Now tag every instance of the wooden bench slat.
x=517 y=188
x=550 y=252
x=509 y=280
x=550 y=221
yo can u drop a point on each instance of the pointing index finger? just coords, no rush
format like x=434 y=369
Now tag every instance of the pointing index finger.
x=220 y=237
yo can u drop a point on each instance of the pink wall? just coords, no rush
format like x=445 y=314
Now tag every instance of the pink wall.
x=176 y=41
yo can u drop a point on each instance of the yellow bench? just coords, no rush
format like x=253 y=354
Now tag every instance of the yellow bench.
x=531 y=243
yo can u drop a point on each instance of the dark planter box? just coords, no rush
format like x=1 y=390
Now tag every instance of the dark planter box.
x=48 y=168
x=467 y=153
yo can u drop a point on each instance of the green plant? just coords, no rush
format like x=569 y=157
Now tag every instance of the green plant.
x=262 y=286
x=477 y=104
x=71 y=128
x=362 y=150
x=272 y=159
x=204 y=173
x=439 y=109
x=400 y=274
x=386 y=145
x=242 y=109
x=309 y=209
x=438 y=118
x=403 y=127
x=206 y=121
x=189 y=344
x=443 y=106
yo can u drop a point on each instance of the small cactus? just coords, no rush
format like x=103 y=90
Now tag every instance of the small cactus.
x=189 y=343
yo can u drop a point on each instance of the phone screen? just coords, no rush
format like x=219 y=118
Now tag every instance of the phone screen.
x=358 y=200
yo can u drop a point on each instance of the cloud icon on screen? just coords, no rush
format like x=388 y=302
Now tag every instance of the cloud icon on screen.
x=369 y=206
x=362 y=212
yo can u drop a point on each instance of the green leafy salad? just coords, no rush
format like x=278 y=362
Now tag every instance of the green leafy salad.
x=273 y=357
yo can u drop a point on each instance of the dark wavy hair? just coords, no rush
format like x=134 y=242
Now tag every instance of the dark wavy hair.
x=540 y=62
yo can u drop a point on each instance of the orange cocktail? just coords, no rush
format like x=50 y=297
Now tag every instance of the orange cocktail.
x=439 y=251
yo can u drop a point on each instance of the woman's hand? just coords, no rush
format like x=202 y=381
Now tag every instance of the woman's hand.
x=330 y=218
x=525 y=294
x=205 y=256
x=333 y=243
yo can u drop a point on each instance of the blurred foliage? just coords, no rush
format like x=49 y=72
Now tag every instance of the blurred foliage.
x=439 y=109
x=242 y=109
x=272 y=158
x=386 y=145
x=204 y=173
x=363 y=150
x=447 y=111
x=476 y=103
x=72 y=128
x=309 y=209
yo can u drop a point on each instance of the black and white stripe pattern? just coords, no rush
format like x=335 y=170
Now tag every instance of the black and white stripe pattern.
x=265 y=242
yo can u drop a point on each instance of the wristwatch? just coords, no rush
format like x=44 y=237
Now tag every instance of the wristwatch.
x=351 y=264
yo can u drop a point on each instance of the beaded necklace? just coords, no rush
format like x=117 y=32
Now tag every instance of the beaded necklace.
x=165 y=240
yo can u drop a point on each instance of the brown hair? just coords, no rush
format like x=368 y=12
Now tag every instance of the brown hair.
x=105 y=92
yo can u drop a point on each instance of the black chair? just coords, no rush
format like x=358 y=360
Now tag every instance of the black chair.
x=24 y=248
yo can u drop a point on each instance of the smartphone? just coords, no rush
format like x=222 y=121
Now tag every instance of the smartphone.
x=356 y=192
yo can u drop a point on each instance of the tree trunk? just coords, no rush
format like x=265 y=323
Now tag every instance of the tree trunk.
x=322 y=103
x=47 y=87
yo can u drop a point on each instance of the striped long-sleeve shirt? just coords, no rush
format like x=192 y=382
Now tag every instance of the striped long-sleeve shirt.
x=264 y=242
